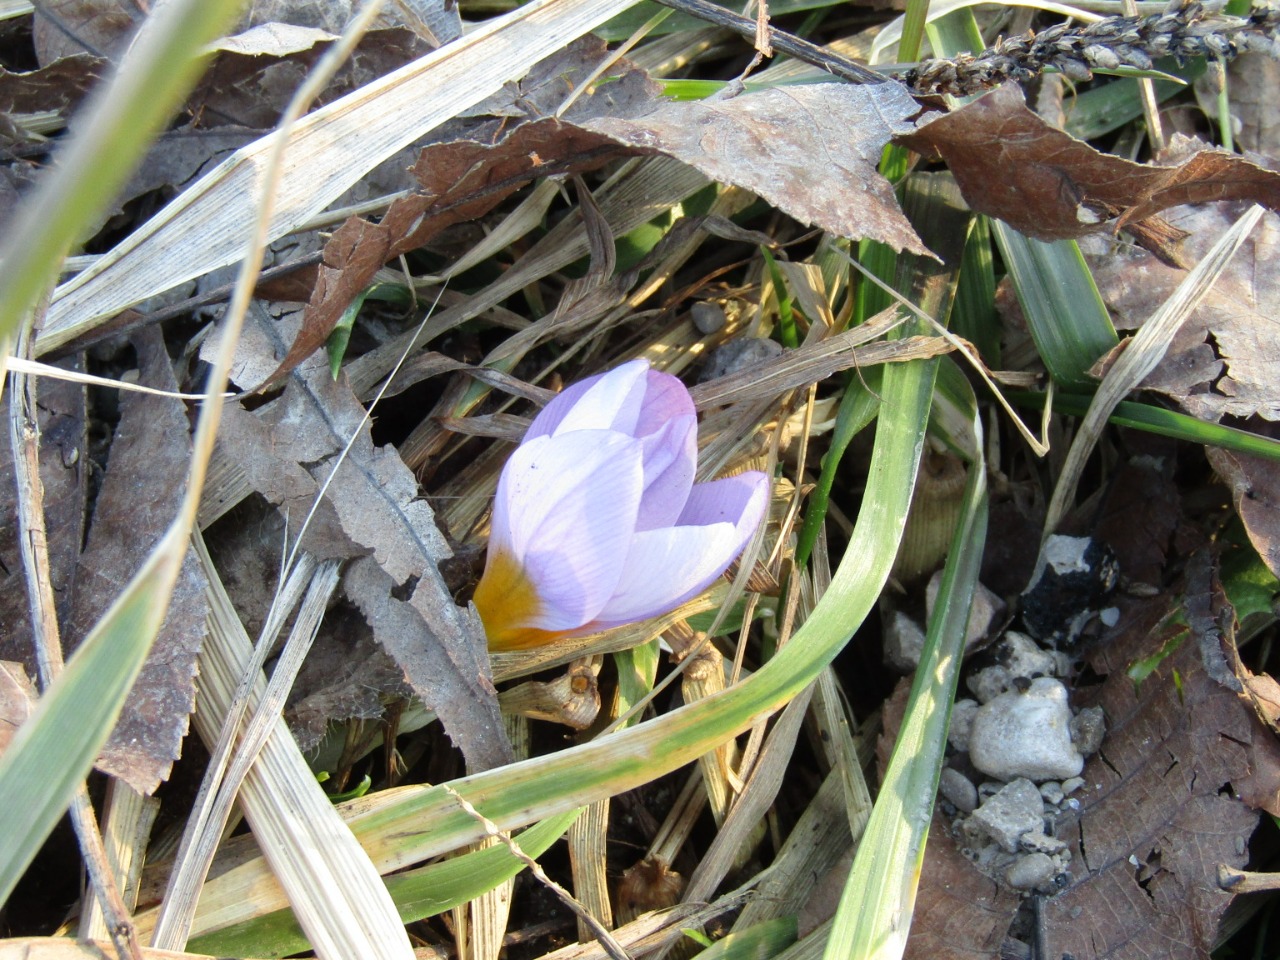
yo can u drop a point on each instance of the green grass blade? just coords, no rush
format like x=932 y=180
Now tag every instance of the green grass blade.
x=420 y=893
x=53 y=750
x=107 y=141
x=874 y=915
x=1064 y=311
x=1108 y=107
x=857 y=409
x=974 y=314
x=758 y=942
x=1165 y=423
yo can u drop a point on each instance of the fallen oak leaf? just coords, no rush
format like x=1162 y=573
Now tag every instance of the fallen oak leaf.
x=1013 y=165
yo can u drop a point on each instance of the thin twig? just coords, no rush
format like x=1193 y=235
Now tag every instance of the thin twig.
x=611 y=946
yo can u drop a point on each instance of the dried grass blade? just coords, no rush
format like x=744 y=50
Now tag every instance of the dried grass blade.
x=330 y=149
x=333 y=888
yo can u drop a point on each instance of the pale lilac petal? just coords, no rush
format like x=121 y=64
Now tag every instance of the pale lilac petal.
x=665 y=399
x=664 y=568
x=607 y=401
x=740 y=500
x=670 y=460
x=565 y=510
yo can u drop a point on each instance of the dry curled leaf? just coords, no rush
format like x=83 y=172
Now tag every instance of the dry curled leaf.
x=811 y=151
x=1012 y=164
x=371 y=509
x=136 y=503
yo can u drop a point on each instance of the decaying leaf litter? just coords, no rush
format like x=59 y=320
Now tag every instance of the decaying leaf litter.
x=574 y=219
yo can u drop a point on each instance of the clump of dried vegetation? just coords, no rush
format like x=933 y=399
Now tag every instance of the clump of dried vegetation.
x=955 y=278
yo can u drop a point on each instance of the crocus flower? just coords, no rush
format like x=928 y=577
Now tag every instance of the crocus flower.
x=597 y=521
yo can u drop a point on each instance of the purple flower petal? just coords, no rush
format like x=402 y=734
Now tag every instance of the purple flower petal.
x=729 y=500
x=666 y=567
x=565 y=512
x=670 y=461
x=607 y=401
x=665 y=399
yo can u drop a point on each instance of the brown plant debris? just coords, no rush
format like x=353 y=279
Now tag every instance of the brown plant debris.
x=1224 y=362
x=138 y=500
x=811 y=151
x=1013 y=165
x=370 y=510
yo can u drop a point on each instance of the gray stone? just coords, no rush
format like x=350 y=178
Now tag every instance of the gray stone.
x=1016 y=655
x=959 y=789
x=903 y=641
x=985 y=608
x=961 y=723
x=1015 y=810
x=1088 y=727
x=708 y=317
x=1032 y=872
x=1037 y=841
x=1026 y=735
x=1051 y=792
x=1072 y=784
x=739 y=354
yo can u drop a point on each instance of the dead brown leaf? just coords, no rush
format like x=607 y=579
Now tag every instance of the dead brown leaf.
x=64 y=475
x=464 y=177
x=1255 y=490
x=347 y=676
x=254 y=75
x=1225 y=360
x=1012 y=164
x=1142 y=513
x=960 y=913
x=101 y=28
x=17 y=699
x=288 y=447
x=137 y=501
x=811 y=151
x=56 y=88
